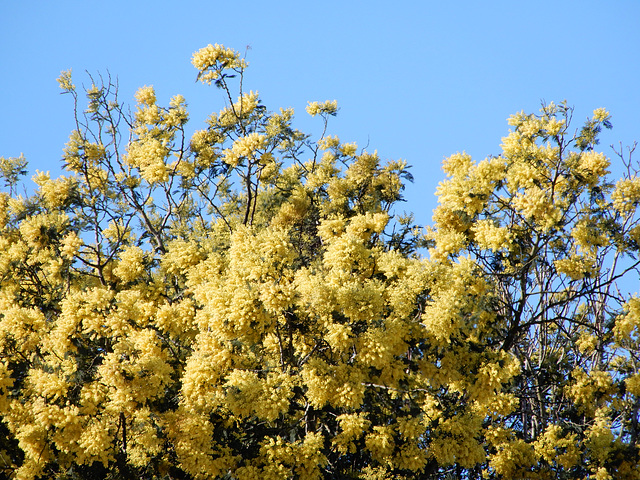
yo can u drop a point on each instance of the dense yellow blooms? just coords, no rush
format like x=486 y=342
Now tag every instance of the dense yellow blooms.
x=626 y=195
x=576 y=267
x=244 y=147
x=241 y=109
x=212 y=60
x=553 y=446
x=490 y=236
x=247 y=303
x=329 y=107
x=149 y=156
x=532 y=219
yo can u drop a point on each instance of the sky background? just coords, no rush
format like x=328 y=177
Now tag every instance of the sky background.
x=416 y=80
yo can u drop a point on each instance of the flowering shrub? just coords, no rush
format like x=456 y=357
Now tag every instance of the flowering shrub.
x=247 y=304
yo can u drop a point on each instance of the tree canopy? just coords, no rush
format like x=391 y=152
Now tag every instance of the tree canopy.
x=246 y=302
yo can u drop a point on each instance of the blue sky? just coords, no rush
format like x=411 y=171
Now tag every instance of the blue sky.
x=417 y=80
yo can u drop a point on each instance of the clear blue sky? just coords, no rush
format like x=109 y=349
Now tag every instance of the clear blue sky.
x=418 y=80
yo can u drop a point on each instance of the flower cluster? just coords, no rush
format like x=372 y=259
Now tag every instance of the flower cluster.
x=329 y=107
x=212 y=60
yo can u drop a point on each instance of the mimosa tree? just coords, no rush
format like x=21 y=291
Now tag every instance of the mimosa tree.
x=246 y=303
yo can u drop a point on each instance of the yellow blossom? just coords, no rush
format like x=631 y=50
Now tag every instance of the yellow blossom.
x=329 y=107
